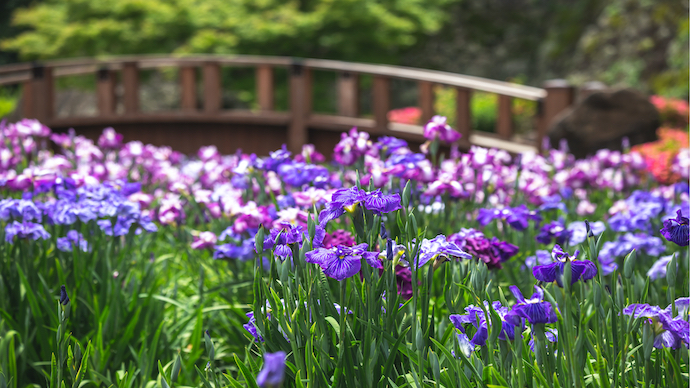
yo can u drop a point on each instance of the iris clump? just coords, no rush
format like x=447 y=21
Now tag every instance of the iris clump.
x=134 y=230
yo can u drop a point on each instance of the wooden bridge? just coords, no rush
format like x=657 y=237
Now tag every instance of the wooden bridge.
x=195 y=124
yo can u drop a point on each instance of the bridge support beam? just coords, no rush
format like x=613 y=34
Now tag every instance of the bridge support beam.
x=381 y=102
x=38 y=94
x=559 y=96
x=300 y=107
x=212 y=87
x=504 y=119
x=348 y=94
x=188 y=88
x=264 y=87
x=130 y=81
x=105 y=92
x=463 y=113
x=426 y=100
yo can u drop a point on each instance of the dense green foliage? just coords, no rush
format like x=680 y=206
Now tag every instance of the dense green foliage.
x=366 y=30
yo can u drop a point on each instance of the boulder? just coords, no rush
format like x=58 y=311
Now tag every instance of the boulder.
x=603 y=119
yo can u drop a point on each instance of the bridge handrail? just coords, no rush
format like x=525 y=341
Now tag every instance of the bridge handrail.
x=553 y=98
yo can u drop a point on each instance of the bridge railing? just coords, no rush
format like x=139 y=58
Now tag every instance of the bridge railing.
x=38 y=81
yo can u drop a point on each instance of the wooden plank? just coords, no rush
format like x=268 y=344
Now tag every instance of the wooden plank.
x=504 y=119
x=348 y=94
x=130 y=81
x=264 y=87
x=463 y=113
x=212 y=87
x=300 y=106
x=188 y=88
x=28 y=97
x=42 y=96
x=560 y=96
x=381 y=101
x=105 y=92
x=426 y=100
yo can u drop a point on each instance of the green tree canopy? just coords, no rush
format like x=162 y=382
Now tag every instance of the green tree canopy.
x=365 y=30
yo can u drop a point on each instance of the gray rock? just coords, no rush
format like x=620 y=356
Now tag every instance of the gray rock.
x=603 y=119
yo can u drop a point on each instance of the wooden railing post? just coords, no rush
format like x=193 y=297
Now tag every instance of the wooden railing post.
x=426 y=100
x=188 y=88
x=40 y=98
x=264 y=87
x=300 y=107
x=130 y=81
x=212 y=89
x=381 y=102
x=504 y=119
x=463 y=113
x=348 y=94
x=559 y=96
x=105 y=91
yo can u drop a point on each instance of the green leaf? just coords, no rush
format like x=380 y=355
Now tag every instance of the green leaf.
x=249 y=378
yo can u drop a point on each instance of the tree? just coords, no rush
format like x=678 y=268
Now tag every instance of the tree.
x=358 y=30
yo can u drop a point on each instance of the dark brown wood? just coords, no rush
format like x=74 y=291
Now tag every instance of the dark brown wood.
x=264 y=87
x=188 y=88
x=559 y=96
x=381 y=101
x=504 y=120
x=105 y=92
x=212 y=87
x=463 y=113
x=42 y=93
x=348 y=94
x=130 y=81
x=426 y=100
x=300 y=106
x=28 y=99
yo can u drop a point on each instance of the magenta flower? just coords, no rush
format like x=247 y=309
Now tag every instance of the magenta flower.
x=110 y=139
x=204 y=240
x=437 y=128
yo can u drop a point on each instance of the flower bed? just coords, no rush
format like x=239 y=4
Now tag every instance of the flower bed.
x=384 y=267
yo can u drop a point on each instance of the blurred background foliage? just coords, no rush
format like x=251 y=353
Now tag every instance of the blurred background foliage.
x=639 y=43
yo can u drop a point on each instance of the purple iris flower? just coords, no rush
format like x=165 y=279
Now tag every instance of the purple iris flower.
x=550 y=334
x=273 y=372
x=438 y=248
x=517 y=217
x=554 y=230
x=534 y=309
x=540 y=257
x=578 y=231
x=492 y=252
x=475 y=316
x=552 y=202
x=580 y=269
x=23 y=230
x=641 y=242
x=72 y=240
x=283 y=252
x=251 y=327
x=658 y=269
x=668 y=332
x=276 y=158
x=389 y=144
x=342 y=262
x=341 y=199
x=676 y=230
x=379 y=203
x=286 y=234
x=243 y=252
